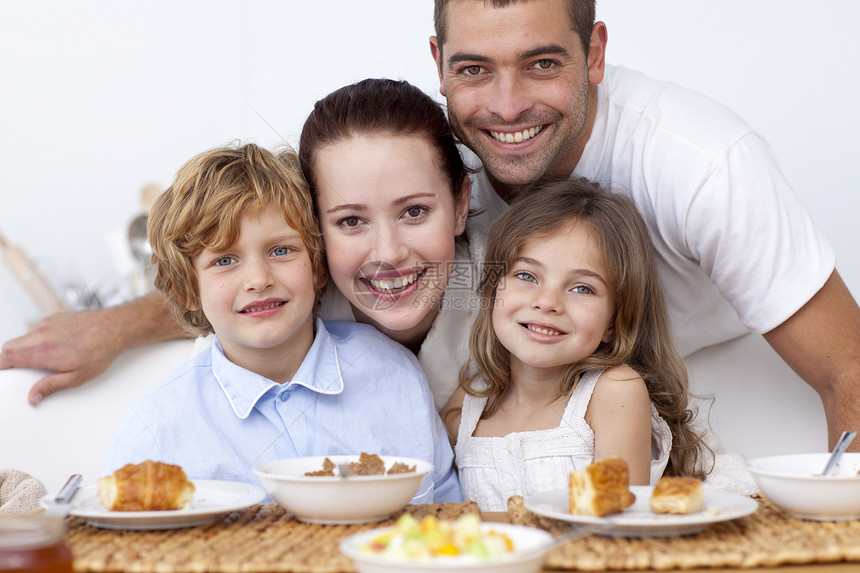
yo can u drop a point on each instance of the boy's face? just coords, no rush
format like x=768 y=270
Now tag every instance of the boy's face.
x=258 y=294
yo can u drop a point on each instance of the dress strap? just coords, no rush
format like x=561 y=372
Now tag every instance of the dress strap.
x=473 y=406
x=581 y=395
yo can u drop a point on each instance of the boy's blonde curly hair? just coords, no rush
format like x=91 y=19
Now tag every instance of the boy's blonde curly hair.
x=203 y=208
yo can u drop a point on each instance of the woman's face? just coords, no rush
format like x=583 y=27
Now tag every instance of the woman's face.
x=389 y=220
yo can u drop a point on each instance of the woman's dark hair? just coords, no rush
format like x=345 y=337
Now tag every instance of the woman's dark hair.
x=380 y=107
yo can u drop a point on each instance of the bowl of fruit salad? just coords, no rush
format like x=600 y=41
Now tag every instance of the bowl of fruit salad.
x=467 y=544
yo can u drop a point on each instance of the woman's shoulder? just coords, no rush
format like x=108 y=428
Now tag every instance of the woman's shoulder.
x=335 y=306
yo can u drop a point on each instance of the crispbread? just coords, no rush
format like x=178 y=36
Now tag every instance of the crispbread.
x=677 y=495
x=600 y=488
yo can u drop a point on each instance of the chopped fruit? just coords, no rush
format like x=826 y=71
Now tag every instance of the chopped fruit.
x=433 y=538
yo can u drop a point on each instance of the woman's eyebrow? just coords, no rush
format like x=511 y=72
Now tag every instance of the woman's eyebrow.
x=398 y=201
x=347 y=207
x=408 y=198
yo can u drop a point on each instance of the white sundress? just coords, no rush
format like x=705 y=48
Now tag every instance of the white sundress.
x=492 y=469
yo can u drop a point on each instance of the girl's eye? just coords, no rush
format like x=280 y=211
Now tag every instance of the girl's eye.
x=223 y=261
x=281 y=251
x=582 y=289
x=524 y=276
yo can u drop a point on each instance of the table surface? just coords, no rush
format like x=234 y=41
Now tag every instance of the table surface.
x=503 y=517
x=265 y=535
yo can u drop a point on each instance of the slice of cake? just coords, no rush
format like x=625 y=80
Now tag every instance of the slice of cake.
x=677 y=495
x=601 y=488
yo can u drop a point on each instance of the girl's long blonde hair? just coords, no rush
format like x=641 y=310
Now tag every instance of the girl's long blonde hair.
x=643 y=338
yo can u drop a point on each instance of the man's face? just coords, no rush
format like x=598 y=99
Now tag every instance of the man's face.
x=517 y=82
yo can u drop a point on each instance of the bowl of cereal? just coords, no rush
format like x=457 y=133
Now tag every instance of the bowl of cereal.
x=795 y=485
x=467 y=544
x=314 y=490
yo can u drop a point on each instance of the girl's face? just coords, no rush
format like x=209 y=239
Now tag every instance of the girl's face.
x=554 y=306
x=259 y=293
x=389 y=219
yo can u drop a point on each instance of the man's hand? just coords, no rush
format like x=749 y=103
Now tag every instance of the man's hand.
x=75 y=345
x=79 y=346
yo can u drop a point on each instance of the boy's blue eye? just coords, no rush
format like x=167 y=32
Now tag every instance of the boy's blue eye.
x=280 y=251
x=524 y=276
x=224 y=261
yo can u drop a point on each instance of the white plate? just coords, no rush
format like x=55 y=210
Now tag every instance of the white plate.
x=638 y=520
x=530 y=547
x=212 y=498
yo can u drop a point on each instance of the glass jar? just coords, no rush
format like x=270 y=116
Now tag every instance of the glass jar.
x=34 y=543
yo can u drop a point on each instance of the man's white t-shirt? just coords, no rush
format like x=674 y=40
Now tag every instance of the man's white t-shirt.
x=737 y=250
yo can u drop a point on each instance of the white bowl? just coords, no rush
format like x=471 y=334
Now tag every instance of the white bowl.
x=354 y=499
x=792 y=483
x=530 y=548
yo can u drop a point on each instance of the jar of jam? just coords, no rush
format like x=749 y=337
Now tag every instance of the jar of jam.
x=34 y=543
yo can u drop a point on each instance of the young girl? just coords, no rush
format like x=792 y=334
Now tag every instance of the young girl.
x=392 y=194
x=572 y=355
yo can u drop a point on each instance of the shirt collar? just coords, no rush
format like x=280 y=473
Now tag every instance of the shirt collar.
x=319 y=372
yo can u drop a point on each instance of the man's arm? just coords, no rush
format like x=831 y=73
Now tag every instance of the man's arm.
x=79 y=346
x=821 y=343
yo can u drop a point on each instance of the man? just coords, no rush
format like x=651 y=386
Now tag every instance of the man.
x=528 y=91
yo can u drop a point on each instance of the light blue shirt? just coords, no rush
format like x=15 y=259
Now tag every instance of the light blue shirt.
x=355 y=391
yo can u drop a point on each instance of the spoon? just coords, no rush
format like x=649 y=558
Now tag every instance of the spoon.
x=841 y=445
x=343 y=469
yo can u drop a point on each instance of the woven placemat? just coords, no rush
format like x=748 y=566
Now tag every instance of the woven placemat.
x=766 y=538
x=260 y=538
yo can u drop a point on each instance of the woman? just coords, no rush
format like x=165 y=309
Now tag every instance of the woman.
x=392 y=196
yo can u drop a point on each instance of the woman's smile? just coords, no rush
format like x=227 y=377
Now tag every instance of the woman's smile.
x=406 y=282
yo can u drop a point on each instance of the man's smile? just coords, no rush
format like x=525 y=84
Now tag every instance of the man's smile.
x=515 y=136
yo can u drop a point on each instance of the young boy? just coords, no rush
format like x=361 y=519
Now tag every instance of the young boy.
x=239 y=253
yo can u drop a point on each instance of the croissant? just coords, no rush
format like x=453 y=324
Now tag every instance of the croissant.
x=148 y=486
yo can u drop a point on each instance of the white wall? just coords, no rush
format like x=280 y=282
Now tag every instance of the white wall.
x=99 y=98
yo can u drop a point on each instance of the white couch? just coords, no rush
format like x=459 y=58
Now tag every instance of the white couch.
x=70 y=432
x=761 y=407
